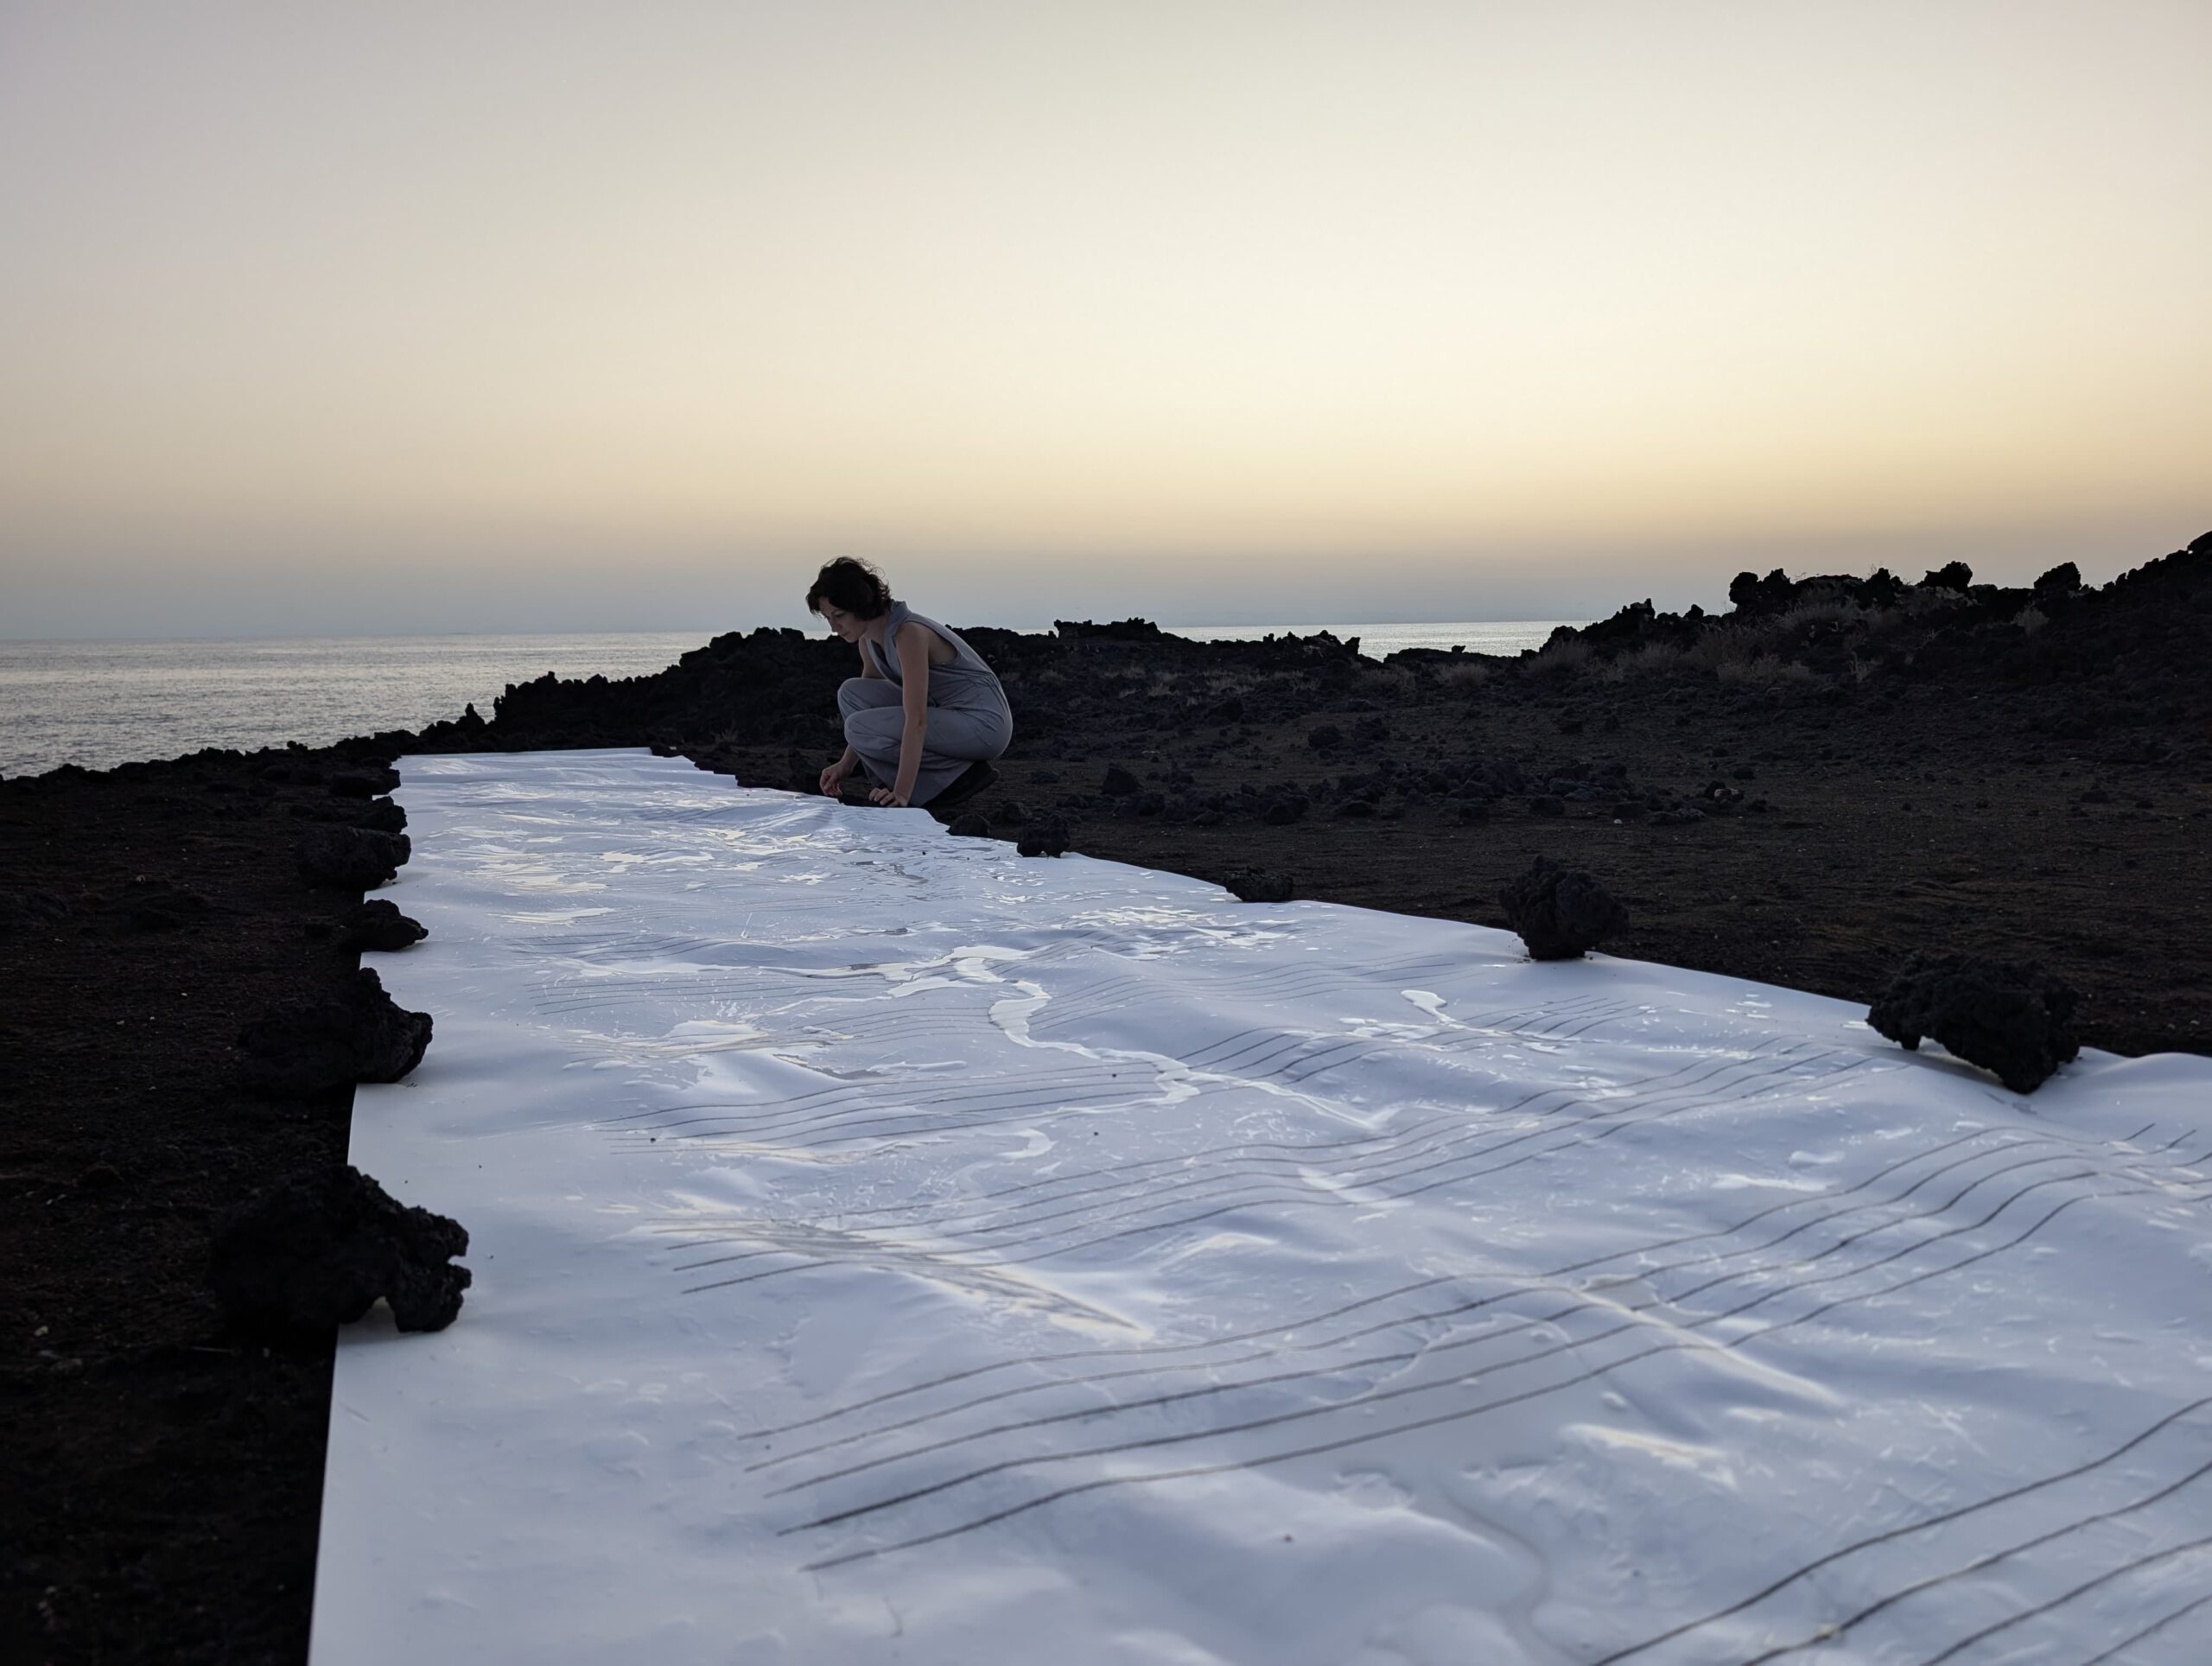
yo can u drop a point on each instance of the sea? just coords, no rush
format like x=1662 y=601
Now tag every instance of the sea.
x=97 y=704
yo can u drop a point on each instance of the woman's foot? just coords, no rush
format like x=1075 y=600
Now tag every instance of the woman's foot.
x=965 y=785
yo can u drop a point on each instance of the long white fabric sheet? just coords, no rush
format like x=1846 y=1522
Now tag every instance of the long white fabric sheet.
x=887 y=1248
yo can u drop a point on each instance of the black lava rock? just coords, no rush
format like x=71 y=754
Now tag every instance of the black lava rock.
x=1119 y=783
x=1047 y=835
x=318 y=1249
x=307 y=1048
x=2014 y=1020
x=969 y=826
x=381 y=926
x=342 y=858
x=1560 y=912
x=1326 y=737
x=380 y=816
x=1255 y=885
x=2061 y=581
x=364 y=783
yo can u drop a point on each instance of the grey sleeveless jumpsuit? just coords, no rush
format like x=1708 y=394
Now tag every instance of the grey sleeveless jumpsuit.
x=969 y=720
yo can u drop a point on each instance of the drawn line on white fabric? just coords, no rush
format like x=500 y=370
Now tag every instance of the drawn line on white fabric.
x=2063 y=1598
x=568 y=998
x=1242 y=984
x=751 y=1132
x=1363 y=1175
x=710 y=1234
x=1903 y=1530
x=1579 y=1304
x=1526 y=1283
x=1302 y=1199
x=1290 y=1327
x=940 y=1114
x=1264 y=1037
x=1427 y=1350
x=2151 y=1630
x=1740 y=1093
x=1450 y=1124
x=1667 y=1345
x=1556 y=1117
x=817 y=1105
x=759 y=1108
x=756 y=1124
x=1296 y=1152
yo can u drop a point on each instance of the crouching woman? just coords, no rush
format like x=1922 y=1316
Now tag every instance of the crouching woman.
x=925 y=716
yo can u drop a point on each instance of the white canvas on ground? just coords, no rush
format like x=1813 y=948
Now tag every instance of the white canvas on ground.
x=890 y=1249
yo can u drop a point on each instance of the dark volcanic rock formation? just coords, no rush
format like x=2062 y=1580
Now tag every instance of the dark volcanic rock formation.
x=971 y=825
x=1044 y=836
x=1120 y=630
x=1255 y=885
x=1560 y=912
x=365 y=782
x=381 y=926
x=2014 y=1020
x=378 y=815
x=307 y=1048
x=318 y=1249
x=342 y=858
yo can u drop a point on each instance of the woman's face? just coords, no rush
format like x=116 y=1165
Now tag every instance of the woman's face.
x=850 y=626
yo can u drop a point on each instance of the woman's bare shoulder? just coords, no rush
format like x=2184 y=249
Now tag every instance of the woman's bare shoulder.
x=940 y=652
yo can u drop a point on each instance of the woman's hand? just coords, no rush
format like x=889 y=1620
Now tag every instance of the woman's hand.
x=833 y=777
x=887 y=797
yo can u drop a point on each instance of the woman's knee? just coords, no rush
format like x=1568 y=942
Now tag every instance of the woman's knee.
x=873 y=728
x=865 y=694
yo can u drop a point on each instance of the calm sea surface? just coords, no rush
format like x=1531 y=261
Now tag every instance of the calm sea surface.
x=102 y=703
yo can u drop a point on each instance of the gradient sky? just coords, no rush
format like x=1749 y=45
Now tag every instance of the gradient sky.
x=450 y=316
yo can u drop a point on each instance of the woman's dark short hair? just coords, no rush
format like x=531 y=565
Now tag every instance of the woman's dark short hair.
x=852 y=585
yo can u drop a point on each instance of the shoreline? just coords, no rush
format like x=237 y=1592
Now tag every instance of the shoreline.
x=99 y=704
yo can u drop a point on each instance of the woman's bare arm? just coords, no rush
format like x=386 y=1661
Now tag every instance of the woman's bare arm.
x=833 y=777
x=914 y=687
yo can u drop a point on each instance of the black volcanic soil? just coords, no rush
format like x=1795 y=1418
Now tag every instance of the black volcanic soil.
x=159 y=1479
x=1805 y=790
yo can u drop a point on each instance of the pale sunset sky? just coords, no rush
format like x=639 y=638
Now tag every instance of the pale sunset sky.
x=426 y=316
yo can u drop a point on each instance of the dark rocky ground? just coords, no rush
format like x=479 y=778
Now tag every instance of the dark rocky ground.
x=1803 y=790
